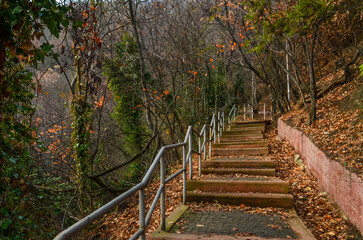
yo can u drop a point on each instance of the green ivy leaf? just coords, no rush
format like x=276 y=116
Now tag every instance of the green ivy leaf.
x=17 y=9
x=5 y=224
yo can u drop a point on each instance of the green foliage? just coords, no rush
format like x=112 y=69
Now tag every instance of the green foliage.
x=124 y=78
x=305 y=16
x=21 y=22
x=15 y=138
x=218 y=98
x=298 y=20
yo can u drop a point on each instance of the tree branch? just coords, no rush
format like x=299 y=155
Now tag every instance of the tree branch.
x=139 y=154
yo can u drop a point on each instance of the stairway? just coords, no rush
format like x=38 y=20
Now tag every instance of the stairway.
x=240 y=171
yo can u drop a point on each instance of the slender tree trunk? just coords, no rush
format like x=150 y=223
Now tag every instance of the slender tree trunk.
x=312 y=80
x=142 y=63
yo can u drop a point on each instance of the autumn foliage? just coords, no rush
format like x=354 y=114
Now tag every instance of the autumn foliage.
x=90 y=90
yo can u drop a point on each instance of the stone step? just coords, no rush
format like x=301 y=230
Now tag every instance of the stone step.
x=244 y=158
x=247 y=171
x=253 y=122
x=240 y=151
x=249 y=199
x=247 y=125
x=238 y=164
x=243 y=144
x=237 y=138
x=242 y=132
x=246 y=186
x=261 y=127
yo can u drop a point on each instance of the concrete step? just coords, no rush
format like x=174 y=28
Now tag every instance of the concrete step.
x=239 y=186
x=242 y=132
x=247 y=171
x=240 y=151
x=243 y=144
x=249 y=199
x=247 y=125
x=261 y=127
x=267 y=121
x=244 y=158
x=233 y=138
x=238 y=164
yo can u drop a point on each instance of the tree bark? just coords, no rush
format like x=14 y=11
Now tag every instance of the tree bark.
x=142 y=63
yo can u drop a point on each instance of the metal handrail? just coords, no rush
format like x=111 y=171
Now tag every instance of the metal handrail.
x=216 y=128
x=250 y=111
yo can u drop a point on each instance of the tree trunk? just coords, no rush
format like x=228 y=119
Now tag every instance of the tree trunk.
x=142 y=63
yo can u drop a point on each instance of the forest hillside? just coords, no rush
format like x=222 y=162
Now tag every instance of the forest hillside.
x=90 y=90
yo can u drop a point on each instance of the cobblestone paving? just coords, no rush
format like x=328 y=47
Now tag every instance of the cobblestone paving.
x=231 y=223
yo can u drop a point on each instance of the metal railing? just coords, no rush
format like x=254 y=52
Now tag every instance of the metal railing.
x=215 y=128
x=248 y=111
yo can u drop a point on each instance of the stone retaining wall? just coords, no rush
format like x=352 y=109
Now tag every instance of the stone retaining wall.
x=344 y=187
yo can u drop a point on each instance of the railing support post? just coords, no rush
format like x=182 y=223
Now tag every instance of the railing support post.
x=199 y=157
x=142 y=212
x=223 y=122
x=190 y=159
x=264 y=111
x=205 y=142
x=184 y=175
x=229 y=123
x=214 y=131
x=244 y=112
x=219 y=126
x=234 y=114
x=162 y=196
x=210 y=142
x=249 y=110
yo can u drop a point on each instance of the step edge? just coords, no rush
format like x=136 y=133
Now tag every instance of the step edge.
x=229 y=194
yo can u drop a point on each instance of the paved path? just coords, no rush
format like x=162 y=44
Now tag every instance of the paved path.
x=233 y=223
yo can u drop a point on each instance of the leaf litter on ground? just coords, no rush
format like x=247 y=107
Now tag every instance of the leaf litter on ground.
x=321 y=216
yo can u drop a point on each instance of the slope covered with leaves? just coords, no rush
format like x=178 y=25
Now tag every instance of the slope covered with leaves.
x=321 y=216
x=338 y=130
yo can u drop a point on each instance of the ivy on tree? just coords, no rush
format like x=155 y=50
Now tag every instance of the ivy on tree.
x=124 y=78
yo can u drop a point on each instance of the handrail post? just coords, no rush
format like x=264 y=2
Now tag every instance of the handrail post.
x=205 y=142
x=162 y=195
x=184 y=175
x=223 y=122
x=199 y=157
x=264 y=111
x=244 y=112
x=218 y=126
x=249 y=110
x=142 y=212
x=210 y=142
x=221 y=128
x=214 y=130
x=190 y=159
